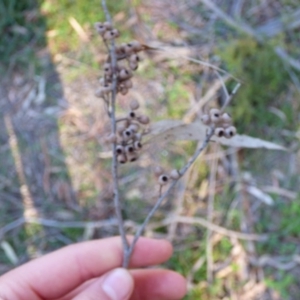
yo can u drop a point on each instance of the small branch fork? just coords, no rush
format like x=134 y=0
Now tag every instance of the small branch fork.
x=128 y=248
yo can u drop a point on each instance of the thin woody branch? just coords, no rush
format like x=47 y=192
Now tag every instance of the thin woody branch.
x=117 y=203
x=127 y=132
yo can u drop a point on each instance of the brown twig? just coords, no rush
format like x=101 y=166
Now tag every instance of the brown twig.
x=117 y=203
x=171 y=186
x=128 y=248
x=164 y=195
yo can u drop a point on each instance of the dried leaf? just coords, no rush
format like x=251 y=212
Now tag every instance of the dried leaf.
x=172 y=130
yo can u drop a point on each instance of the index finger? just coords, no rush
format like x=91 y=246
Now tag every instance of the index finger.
x=56 y=274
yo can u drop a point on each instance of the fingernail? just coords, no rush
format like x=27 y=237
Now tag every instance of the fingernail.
x=118 y=284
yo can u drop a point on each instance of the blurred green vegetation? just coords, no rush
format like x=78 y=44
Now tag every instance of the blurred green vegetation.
x=86 y=13
x=265 y=80
x=22 y=29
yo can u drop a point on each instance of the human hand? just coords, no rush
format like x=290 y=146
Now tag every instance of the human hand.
x=90 y=271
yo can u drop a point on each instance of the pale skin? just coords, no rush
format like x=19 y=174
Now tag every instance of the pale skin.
x=78 y=272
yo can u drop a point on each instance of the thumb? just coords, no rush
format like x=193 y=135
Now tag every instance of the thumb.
x=116 y=285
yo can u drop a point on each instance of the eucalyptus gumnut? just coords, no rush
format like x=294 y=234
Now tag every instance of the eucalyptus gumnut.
x=122 y=159
x=129 y=48
x=127 y=84
x=107 y=25
x=134 y=128
x=120 y=149
x=205 y=119
x=107 y=69
x=133 y=65
x=158 y=170
x=219 y=132
x=134 y=105
x=137 y=46
x=132 y=156
x=215 y=115
x=111 y=34
x=138 y=137
x=101 y=29
x=134 y=58
x=132 y=115
x=101 y=92
x=143 y=119
x=230 y=132
x=138 y=145
x=163 y=179
x=127 y=134
x=125 y=74
x=226 y=119
x=129 y=149
x=174 y=174
x=121 y=129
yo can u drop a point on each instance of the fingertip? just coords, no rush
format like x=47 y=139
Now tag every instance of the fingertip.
x=118 y=284
x=158 y=284
x=148 y=250
x=180 y=285
x=115 y=285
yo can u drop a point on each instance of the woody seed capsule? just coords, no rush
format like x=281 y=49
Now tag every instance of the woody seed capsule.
x=132 y=115
x=226 y=119
x=134 y=128
x=120 y=49
x=129 y=49
x=101 y=92
x=215 y=115
x=134 y=58
x=107 y=69
x=122 y=159
x=127 y=134
x=109 y=35
x=138 y=137
x=101 y=29
x=134 y=104
x=174 y=174
x=205 y=119
x=137 y=46
x=133 y=65
x=219 y=132
x=163 y=179
x=138 y=145
x=128 y=84
x=121 y=128
x=129 y=149
x=230 y=132
x=132 y=156
x=119 y=149
x=143 y=119
x=158 y=171
x=125 y=74
x=107 y=25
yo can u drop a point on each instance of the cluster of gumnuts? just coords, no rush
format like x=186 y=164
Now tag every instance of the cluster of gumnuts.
x=163 y=177
x=129 y=134
x=221 y=122
x=127 y=61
